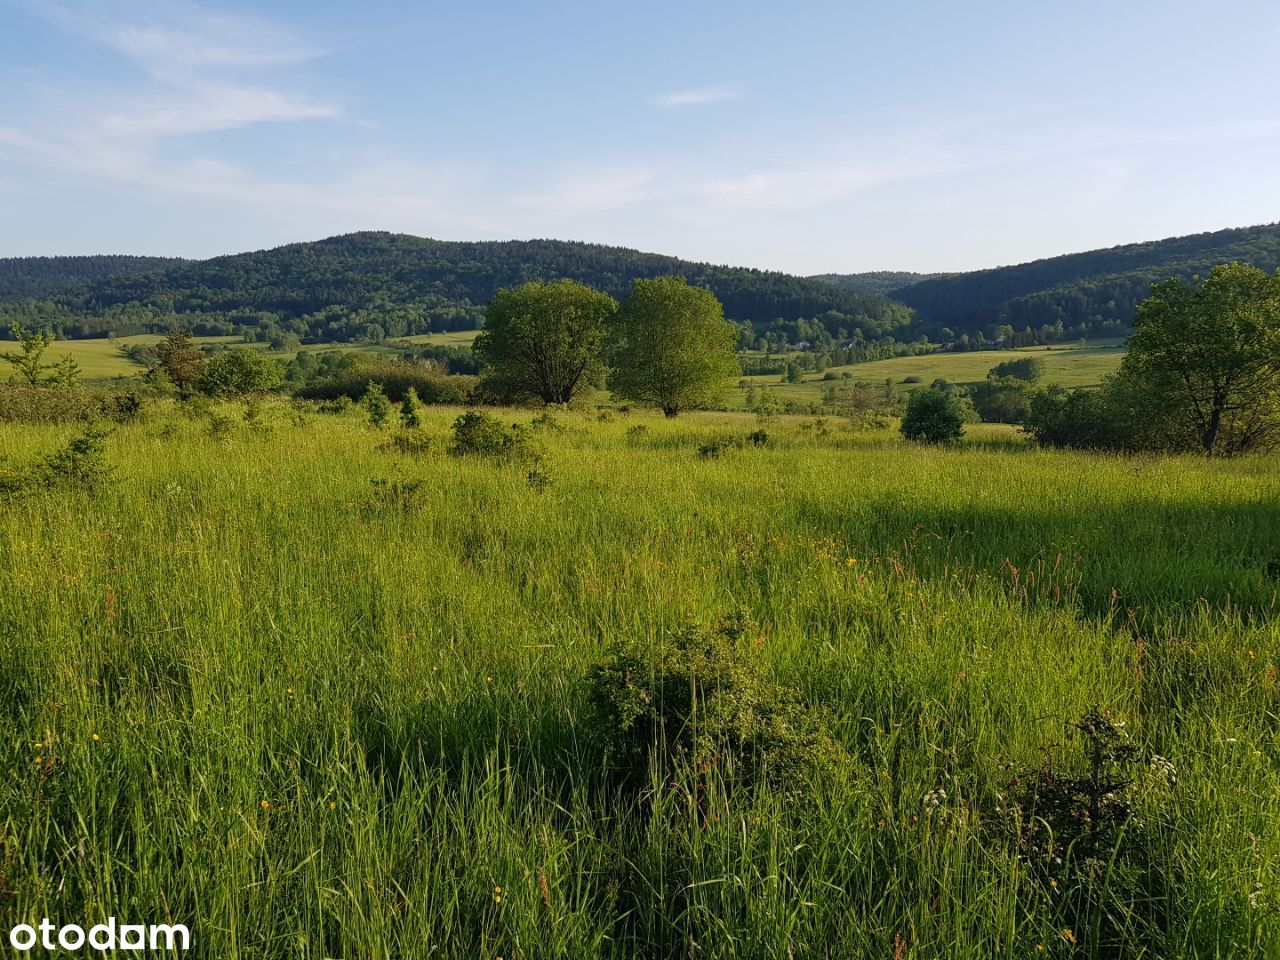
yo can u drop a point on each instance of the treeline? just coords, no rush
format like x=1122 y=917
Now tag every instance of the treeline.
x=1084 y=294
x=373 y=286
x=45 y=278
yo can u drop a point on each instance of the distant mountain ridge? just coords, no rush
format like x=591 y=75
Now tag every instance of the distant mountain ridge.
x=1096 y=291
x=374 y=284
x=39 y=278
x=883 y=282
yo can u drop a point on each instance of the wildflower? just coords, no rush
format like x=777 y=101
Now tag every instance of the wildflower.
x=935 y=799
x=265 y=804
x=488 y=679
x=1069 y=935
x=95 y=738
x=1163 y=770
x=38 y=760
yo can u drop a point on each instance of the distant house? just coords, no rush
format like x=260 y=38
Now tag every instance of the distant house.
x=803 y=345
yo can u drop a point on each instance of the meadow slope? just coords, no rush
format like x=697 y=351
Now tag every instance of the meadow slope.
x=247 y=688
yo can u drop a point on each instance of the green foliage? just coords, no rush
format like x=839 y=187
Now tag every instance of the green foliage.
x=349 y=374
x=1080 y=419
x=1002 y=399
x=477 y=433
x=66 y=373
x=542 y=341
x=1086 y=850
x=1208 y=356
x=1094 y=293
x=180 y=361
x=698 y=702
x=672 y=347
x=28 y=360
x=27 y=404
x=239 y=373
x=933 y=416
x=1028 y=369
x=411 y=410
x=376 y=404
x=340 y=288
x=81 y=465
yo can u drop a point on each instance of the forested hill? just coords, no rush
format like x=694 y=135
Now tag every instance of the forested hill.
x=371 y=285
x=1095 y=292
x=883 y=282
x=40 y=278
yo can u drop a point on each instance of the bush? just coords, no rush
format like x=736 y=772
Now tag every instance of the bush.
x=1026 y=369
x=477 y=433
x=238 y=373
x=28 y=404
x=1074 y=828
x=1002 y=400
x=410 y=443
x=376 y=404
x=699 y=703
x=432 y=385
x=1081 y=419
x=933 y=416
x=80 y=465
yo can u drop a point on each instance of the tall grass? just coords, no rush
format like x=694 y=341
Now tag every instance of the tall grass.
x=310 y=720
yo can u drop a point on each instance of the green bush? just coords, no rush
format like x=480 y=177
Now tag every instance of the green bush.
x=477 y=433
x=21 y=403
x=933 y=416
x=698 y=703
x=80 y=465
x=432 y=385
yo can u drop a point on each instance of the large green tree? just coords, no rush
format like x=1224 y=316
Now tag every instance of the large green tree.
x=542 y=340
x=1203 y=367
x=672 y=346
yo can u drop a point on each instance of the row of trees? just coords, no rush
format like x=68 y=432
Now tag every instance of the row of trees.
x=668 y=344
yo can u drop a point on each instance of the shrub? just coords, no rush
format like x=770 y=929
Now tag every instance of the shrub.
x=409 y=410
x=432 y=384
x=1074 y=827
x=238 y=373
x=339 y=404
x=376 y=404
x=411 y=443
x=1002 y=400
x=81 y=465
x=933 y=416
x=27 y=404
x=913 y=379
x=1026 y=369
x=1080 y=418
x=477 y=433
x=698 y=703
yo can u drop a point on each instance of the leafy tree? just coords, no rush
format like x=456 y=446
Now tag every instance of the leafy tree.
x=1002 y=399
x=672 y=346
x=1208 y=357
x=29 y=359
x=180 y=361
x=410 y=408
x=933 y=416
x=541 y=340
x=1083 y=419
x=237 y=373
x=1028 y=369
x=377 y=404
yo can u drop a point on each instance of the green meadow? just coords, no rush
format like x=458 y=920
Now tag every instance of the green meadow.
x=317 y=697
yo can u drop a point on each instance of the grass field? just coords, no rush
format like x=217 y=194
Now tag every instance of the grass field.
x=1071 y=365
x=247 y=688
x=105 y=359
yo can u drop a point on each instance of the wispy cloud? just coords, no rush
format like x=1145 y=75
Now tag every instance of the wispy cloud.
x=697 y=97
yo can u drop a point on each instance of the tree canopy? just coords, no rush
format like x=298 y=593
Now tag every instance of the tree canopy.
x=672 y=347
x=541 y=340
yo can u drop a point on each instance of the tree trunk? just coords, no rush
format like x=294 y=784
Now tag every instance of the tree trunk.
x=1211 y=432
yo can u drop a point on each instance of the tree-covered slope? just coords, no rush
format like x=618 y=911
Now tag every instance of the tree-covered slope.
x=376 y=284
x=39 y=278
x=1097 y=291
x=883 y=282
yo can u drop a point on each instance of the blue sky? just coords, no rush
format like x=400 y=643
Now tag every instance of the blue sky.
x=805 y=136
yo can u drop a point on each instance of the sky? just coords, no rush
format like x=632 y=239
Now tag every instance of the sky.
x=807 y=136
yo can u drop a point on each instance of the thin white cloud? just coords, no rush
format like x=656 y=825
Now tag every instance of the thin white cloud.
x=697 y=98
